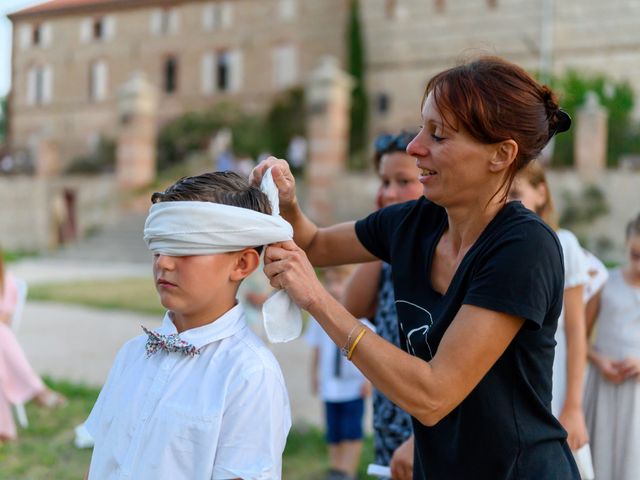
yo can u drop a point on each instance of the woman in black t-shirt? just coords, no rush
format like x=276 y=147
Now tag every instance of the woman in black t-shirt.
x=478 y=282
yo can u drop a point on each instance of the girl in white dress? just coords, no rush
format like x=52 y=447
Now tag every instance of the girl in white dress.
x=612 y=393
x=531 y=188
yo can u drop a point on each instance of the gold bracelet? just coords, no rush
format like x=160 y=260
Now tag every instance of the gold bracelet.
x=355 y=343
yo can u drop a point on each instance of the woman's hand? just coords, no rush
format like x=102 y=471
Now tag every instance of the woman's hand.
x=283 y=178
x=572 y=419
x=402 y=461
x=628 y=368
x=287 y=267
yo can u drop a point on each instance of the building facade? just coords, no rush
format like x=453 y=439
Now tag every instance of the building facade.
x=410 y=40
x=70 y=57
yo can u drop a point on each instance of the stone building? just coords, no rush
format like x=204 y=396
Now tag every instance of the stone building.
x=407 y=41
x=71 y=56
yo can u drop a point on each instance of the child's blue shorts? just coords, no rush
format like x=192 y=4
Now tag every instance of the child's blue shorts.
x=344 y=420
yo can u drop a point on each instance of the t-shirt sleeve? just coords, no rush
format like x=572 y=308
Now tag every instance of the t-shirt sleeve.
x=254 y=428
x=598 y=275
x=522 y=276
x=575 y=262
x=376 y=231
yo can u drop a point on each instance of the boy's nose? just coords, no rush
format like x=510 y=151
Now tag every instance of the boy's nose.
x=165 y=262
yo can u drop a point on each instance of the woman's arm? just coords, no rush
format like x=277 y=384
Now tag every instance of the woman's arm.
x=5 y=318
x=361 y=291
x=572 y=417
x=427 y=390
x=335 y=245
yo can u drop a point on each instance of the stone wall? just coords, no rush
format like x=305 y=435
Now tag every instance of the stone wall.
x=31 y=206
x=354 y=194
x=410 y=40
x=621 y=188
x=255 y=30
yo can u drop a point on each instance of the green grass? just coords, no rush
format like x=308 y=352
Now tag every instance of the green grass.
x=45 y=450
x=134 y=294
x=306 y=457
x=10 y=256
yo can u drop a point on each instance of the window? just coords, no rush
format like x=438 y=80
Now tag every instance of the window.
x=285 y=66
x=223 y=68
x=383 y=103
x=98 y=77
x=170 y=84
x=221 y=71
x=98 y=29
x=164 y=21
x=216 y=16
x=287 y=9
x=39 y=85
x=37 y=35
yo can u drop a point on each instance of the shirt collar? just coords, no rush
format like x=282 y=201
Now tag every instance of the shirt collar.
x=225 y=326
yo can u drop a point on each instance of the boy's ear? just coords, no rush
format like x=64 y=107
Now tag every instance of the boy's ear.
x=247 y=261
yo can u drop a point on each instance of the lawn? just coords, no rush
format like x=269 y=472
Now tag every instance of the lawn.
x=45 y=450
x=134 y=294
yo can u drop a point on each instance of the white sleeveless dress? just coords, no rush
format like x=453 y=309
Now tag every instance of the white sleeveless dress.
x=613 y=411
x=576 y=273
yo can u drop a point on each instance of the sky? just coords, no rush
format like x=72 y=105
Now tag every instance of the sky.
x=8 y=6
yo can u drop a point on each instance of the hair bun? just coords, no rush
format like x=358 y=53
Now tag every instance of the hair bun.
x=559 y=120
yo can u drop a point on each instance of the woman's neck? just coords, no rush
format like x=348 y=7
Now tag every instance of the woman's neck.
x=466 y=223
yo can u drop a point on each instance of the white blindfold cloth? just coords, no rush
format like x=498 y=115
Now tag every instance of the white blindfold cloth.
x=203 y=228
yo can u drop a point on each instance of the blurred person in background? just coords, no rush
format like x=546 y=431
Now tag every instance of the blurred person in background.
x=19 y=383
x=369 y=294
x=342 y=388
x=612 y=392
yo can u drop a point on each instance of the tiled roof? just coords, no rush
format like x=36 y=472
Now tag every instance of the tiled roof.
x=57 y=6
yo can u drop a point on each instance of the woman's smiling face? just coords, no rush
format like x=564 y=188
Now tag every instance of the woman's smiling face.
x=454 y=166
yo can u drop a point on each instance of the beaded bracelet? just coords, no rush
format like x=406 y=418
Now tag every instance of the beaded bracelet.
x=355 y=342
x=345 y=349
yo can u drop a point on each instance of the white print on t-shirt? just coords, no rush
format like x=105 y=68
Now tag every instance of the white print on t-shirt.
x=422 y=330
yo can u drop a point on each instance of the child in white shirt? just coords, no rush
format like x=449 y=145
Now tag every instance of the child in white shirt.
x=210 y=403
x=341 y=386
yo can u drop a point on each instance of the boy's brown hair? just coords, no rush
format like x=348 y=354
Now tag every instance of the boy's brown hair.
x=226 y=188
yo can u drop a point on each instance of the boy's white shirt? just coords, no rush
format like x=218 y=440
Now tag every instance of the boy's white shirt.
x=222 y=414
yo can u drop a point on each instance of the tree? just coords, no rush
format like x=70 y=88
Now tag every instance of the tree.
x=616 y=96
x=356 y=68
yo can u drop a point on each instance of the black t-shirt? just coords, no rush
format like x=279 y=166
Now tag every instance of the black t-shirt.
x=504 y=429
